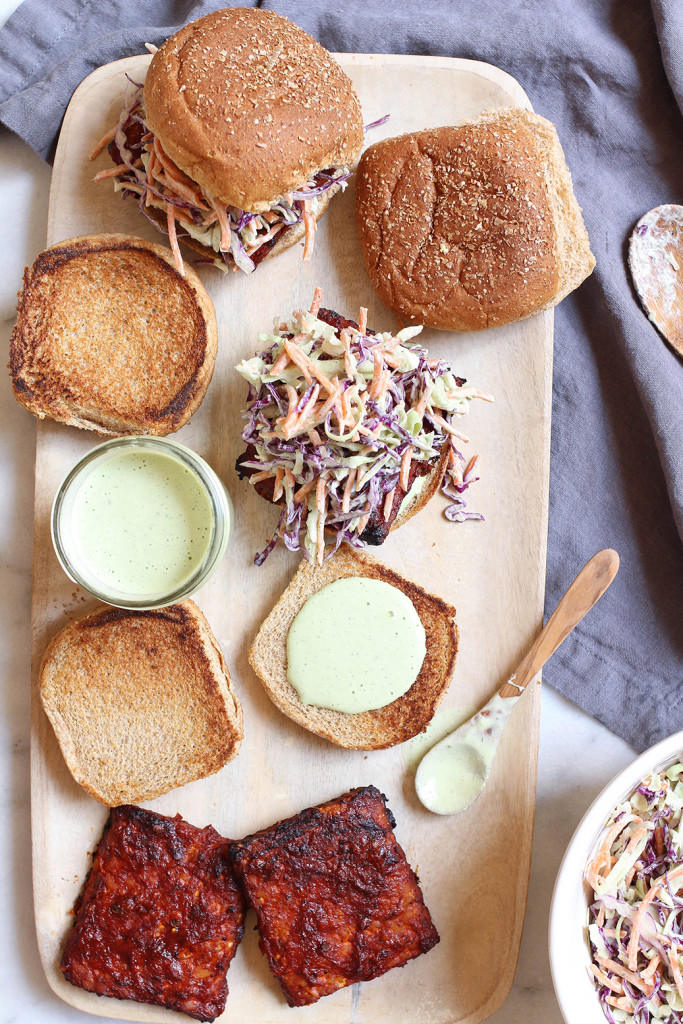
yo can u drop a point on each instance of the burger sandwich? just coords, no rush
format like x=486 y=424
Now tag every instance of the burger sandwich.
x=243 y=130
x=349 y=431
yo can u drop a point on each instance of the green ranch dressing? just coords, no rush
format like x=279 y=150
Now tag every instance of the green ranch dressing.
x=356 y=645
x=455 y=771
x=141 y=523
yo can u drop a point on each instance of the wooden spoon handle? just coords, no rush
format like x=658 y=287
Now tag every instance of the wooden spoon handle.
x=587 y=588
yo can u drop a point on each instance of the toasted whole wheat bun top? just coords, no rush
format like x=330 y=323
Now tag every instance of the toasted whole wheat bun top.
x=249 y=106
x=111 y=338
x=140 y=701
x=468 y=227
x=368 y=730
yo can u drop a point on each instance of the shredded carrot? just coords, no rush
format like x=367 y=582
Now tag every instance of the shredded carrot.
x=317 y=300
x=610 y=983
x=676 y=970
x=406 y=459
x=175 y=185
x=468 y=469
x=377 y=373
x=363 y=320
x=389 y=503
x=310 y=226
x=301 y=360
x=303 y=491
x=620 y=1003
x=293 y=398
x=331 y=401
x=649 y=971
x=110 y=172
x=424 y=399
x=278 y=489
x=321 y=504
x=265 y=474
x=345 y=339
x=308 y=367
x=104 y=141
x=627 y=975
x=362 y=523
x=174 y=171
x=447 y=428
x=280 y=363
x=222 y=215
x=150 y=176
x=305 y=412
x=350 y=481
x=173 y=239
x=314 y=437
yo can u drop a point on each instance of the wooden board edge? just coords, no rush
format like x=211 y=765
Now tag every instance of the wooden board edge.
x=501 y=992
x=38 y=719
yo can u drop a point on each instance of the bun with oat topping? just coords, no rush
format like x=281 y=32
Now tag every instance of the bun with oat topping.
x=468 y=227
x=243 y=131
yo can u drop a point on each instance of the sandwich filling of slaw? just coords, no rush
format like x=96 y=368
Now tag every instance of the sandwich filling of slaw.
x=239 y=239
x=636 y=918
x=336 y=417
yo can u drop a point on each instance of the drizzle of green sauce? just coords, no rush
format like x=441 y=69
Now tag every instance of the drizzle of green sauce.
x=356 y=645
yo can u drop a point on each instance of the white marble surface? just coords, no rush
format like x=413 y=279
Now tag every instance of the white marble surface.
x=577 y=755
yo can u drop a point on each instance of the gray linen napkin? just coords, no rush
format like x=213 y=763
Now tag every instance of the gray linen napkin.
x=595 y=68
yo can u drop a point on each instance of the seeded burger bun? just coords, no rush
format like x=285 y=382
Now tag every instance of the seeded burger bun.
x=468 y=227
x=250 y=107
x=111 y=338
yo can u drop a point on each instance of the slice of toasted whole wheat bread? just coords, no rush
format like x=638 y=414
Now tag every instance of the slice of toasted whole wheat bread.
x=140 y=701
x=111 y=338
x=368 y=730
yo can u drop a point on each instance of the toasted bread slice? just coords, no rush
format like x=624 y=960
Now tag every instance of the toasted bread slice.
x=368 y=730
x=140 y=701
x=111 y=338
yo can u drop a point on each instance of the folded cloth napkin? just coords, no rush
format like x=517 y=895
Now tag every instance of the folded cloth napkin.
x=596 y=69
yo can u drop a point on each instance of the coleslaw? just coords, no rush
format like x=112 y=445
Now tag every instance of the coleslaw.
x=341 y=423
x=636 y=917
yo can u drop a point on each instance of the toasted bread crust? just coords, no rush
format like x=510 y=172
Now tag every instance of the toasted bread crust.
x=140 y=701
x=248 y=105
x=109 y=337
x=368 y=730
x=473 y=226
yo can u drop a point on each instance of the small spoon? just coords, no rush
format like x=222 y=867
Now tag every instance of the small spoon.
x=455 y=771
x=655 y=256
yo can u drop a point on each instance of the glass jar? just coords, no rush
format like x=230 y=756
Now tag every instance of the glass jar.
x=141 y=522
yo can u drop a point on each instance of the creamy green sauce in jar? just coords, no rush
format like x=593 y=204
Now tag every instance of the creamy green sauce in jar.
x=356 y=645
x=140 y=523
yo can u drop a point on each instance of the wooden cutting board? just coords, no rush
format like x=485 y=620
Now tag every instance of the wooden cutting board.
x=473 y=868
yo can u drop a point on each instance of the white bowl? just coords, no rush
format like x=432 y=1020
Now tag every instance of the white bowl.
x=568 y=938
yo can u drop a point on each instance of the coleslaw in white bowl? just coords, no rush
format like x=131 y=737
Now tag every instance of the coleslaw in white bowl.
x=628 y=845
